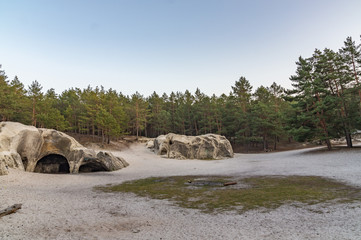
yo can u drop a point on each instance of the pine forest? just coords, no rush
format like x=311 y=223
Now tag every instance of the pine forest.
x=324 y=103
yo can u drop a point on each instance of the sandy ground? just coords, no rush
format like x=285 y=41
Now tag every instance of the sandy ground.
x=67 y=207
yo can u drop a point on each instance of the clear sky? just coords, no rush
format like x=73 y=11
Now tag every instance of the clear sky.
x=167 y=45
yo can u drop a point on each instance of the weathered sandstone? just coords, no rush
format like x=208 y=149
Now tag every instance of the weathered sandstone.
x=209 y=146
x=49 y=151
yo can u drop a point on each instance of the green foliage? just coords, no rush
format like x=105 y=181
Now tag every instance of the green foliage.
x=325 y=103
x=325 y=95
x=159 y=118
x=36 y=97
x=139 y=113
x=50 y=115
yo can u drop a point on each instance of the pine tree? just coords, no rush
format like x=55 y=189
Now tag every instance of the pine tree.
x=156 y=123
x=243 y=92
x=50 y=116
x=20 y=102
x=36 y=96
x=4 y=97
x=351 y=54
x=71 y=108
x=139 y=113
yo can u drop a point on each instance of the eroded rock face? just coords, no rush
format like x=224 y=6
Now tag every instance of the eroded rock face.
x=49 y=151
x=209 y=146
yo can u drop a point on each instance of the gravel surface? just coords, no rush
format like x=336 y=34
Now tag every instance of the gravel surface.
x=67 y=207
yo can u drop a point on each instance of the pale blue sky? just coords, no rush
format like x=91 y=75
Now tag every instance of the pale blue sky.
x=167 y=45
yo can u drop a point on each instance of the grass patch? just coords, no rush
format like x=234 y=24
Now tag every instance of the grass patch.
x=209 y=194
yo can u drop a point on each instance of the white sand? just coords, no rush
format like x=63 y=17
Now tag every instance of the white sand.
x=67 y=207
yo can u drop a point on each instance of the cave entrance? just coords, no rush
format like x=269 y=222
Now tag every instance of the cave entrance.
x=92 y=166
x=25 y=162
x=163 y=151
x=52 y=163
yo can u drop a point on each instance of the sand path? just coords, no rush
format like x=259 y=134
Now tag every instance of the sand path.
x=67 y=207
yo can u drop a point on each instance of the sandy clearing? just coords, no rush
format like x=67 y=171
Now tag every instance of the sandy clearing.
x=67 y=207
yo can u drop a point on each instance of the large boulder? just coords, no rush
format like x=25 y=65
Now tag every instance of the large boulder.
x=209 y=146
x=49 y=151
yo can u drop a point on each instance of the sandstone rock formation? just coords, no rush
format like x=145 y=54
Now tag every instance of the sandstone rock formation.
x=209 y=146
x=150 y=144
x=49 y=151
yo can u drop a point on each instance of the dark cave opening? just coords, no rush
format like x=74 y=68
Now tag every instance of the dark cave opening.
x=163 y=151
x=25 y=162
x=91 y=166
x=52 y=163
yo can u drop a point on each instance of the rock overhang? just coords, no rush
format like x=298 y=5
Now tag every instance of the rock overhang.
x=23 y=146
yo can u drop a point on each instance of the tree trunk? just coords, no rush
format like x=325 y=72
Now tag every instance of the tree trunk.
x=265 y=145
x=145 y=129
x=103 y=138
x=275 y=144
x=34 y=113
x=195 y=127
x=137 y=118
x=343 y=113
x=323 y=125
x=348 y=139
x=328 y=143
x=248 y=145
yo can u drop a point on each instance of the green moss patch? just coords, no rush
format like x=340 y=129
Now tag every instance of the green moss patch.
x=214 y=194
